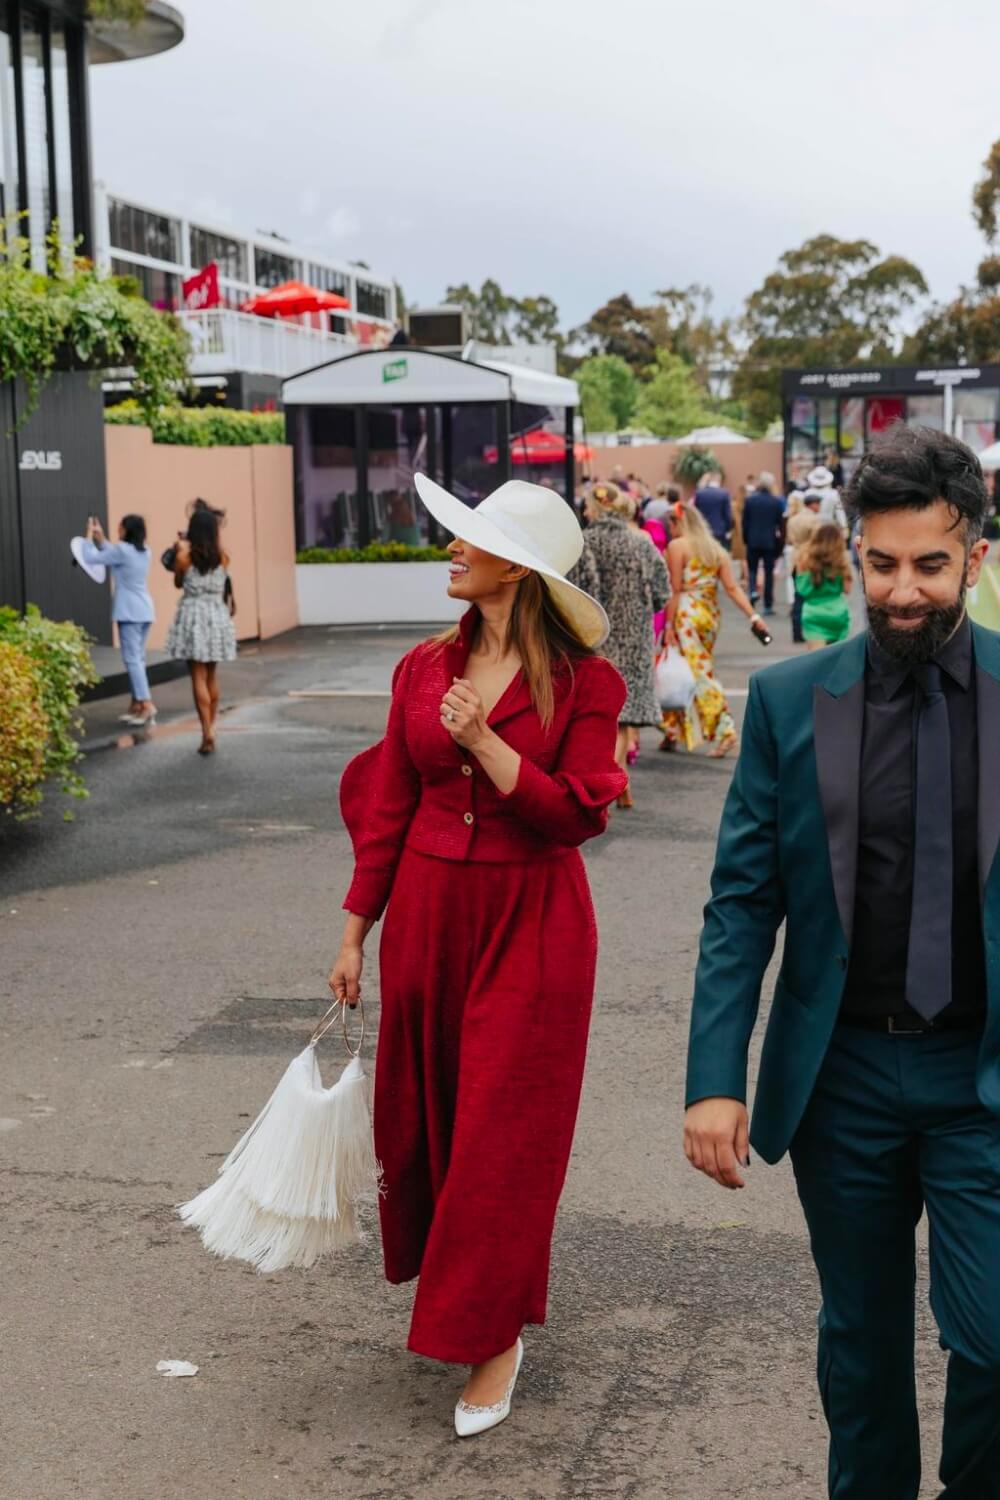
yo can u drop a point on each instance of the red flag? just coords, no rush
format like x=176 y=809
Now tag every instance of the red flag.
x=202 y=289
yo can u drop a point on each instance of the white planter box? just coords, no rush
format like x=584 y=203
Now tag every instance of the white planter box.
x=410 y=593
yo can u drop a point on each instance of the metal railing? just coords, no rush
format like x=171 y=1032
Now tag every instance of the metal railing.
x=223 y=339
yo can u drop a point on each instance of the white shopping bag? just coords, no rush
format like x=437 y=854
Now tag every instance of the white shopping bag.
x=674 y=680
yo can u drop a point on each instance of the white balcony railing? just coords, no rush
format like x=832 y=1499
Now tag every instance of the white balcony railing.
x=224 y=340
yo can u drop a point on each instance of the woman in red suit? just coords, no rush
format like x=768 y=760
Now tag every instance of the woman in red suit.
x=497 y=763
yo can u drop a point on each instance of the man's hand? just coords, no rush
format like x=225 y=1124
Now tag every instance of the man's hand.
x=717 y=1139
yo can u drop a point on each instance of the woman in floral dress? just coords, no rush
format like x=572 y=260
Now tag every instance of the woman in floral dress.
x=628 y=576
x=698 y=564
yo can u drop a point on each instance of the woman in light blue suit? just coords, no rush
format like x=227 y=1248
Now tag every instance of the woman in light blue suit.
x=132 y=612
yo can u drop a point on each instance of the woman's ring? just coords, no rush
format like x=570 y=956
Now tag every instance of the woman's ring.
x=450 y=716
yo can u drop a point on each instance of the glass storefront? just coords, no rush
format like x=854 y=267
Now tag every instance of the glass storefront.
x=142 y=232
x=161 y=289
x=271 y=269
x=402 y=441
x=229 y=255
x=836 y=430
x=8 y=122
x=62 y=134
x=36 y=137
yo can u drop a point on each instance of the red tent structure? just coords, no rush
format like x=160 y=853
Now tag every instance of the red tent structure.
x=292 y=298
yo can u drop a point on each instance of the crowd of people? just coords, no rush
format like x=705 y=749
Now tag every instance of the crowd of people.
x=659 y=563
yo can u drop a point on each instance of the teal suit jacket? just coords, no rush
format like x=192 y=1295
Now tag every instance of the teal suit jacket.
x=787 y=851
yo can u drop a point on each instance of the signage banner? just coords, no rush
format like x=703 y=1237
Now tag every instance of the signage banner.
x=202 y=289
x=913 y=378
x=396 y=369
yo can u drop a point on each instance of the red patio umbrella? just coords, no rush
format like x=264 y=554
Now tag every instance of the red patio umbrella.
x=292 y=298
x=541 y=447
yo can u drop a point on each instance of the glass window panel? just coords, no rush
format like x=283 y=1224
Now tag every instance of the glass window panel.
x=326 y=279
x=63 y=136
x=473 y=452
x=925 y=411
x=8 y=125
x=160 y=288
x=976 y=417
x=882 y=411
x=36 y=137
x=827 y=422
x=372 y=300
x=143 y=233
x=324 y=441
x=802 y=454
x=229 y=255
x=852 y=426
x=397 y=449
x=271 y=269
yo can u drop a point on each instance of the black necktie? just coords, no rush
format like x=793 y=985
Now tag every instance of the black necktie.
x=928 y=960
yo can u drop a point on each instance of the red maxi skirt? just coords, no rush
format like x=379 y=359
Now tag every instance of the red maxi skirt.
x=487 y=986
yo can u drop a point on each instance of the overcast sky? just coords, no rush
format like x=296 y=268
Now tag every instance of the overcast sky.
x=576 y=148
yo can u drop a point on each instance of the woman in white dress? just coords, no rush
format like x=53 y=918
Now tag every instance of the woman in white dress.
x=202 y=633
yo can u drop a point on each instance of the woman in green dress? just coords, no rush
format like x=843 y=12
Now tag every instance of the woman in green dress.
x=823 y=580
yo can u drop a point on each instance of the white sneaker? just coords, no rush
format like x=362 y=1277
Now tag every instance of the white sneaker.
x=470 y=1420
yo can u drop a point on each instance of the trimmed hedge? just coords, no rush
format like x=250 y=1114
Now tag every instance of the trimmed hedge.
x=375 y=552
x=201 y=426
x=58 y=657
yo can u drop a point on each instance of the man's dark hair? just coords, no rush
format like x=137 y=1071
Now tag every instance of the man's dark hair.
x=673 y=495
x=911 y=468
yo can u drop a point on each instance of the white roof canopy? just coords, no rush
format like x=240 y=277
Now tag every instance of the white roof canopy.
x=402 y=375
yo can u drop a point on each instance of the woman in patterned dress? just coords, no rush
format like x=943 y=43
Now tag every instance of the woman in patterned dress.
x=698 y=564
x=628 y=576
x=202 y=633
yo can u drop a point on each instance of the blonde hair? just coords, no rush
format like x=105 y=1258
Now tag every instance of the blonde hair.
x=542 y=637
x=608 y=497
x=796 y=503
x=692 y=526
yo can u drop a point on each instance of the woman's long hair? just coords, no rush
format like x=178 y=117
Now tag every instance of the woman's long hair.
x=203 y=537
x=690 y=524
x=134 y=528
x=542 y=637
x=824 y=554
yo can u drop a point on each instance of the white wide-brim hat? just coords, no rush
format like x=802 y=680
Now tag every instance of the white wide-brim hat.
x=820 y=478
x=97 y=571
x=533 y=527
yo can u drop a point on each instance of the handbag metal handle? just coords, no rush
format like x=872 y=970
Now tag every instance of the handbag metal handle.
x=327 y=1021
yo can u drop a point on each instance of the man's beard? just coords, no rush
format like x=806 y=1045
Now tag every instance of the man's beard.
x=921 y=642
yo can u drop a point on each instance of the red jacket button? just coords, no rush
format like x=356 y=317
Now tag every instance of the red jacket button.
x=469 y=818
x=466 y=770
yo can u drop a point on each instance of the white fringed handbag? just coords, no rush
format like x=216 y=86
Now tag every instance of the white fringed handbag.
x=287 y=1192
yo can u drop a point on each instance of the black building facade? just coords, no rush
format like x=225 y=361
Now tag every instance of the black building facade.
x=831 y=416
x=52 y=468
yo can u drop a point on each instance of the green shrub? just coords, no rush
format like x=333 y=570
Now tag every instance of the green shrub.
x=693 y=462
x=59 y=656
x=24 y=732
x=201 y=426
x=75 y=317
x=375 y=552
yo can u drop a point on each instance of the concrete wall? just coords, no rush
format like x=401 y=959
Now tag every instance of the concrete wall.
x=375 y=594
x=254 y=487
x=653 y=461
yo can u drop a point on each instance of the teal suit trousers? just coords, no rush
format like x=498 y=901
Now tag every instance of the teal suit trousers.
x=895 y=1126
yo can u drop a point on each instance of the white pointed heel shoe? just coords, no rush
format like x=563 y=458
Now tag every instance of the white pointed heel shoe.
x=470 y=1420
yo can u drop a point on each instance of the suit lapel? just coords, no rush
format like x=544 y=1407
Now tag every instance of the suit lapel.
x=986 y=646
x=838 y=723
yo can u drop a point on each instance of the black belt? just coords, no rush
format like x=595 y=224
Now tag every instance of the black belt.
x=910 y=1024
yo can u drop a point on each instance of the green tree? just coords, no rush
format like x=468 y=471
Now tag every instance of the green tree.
x=967 y=329
x=623 y=329
x=689 y=330
x=671 y=401
x=830 y=302
x=489 y=310
x=608 y=392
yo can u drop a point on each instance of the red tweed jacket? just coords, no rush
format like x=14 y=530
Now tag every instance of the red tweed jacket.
x=418 y=789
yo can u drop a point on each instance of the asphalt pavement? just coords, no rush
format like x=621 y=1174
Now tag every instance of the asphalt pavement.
x=163 y=957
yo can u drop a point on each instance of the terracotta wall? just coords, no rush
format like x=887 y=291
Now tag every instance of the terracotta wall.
x=253 y=486
x=653 y=461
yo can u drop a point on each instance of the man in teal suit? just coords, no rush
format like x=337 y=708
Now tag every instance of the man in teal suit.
x=865 y=813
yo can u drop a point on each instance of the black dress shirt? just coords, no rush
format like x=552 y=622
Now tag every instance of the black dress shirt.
x=876 y=976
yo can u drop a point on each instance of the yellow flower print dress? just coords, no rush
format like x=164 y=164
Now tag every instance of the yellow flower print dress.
x=697 y=625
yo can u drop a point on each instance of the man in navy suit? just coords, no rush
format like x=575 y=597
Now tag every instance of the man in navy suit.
x=716 y=505
x=865 y=814
x=764 y=535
